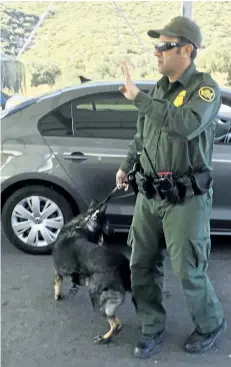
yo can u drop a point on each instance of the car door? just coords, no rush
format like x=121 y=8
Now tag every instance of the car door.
x=221 y=213
x=90 y=138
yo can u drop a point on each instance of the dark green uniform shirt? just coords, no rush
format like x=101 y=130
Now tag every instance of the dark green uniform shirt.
x=176 y=124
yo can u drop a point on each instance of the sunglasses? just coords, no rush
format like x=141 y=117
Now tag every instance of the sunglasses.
x=165 y=46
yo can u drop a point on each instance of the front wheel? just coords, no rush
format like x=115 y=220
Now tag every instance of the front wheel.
x=33 y=216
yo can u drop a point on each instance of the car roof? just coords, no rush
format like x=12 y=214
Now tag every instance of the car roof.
x=89 y=84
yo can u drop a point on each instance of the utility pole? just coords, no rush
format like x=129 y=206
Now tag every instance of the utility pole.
x=186 y=9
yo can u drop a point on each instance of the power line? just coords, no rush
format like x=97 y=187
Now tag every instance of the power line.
x=137 y=37
x=34 y=30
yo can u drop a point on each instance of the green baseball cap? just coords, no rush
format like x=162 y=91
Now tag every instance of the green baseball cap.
x=180 y=27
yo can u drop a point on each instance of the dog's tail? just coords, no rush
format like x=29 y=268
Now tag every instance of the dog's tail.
x=125 y=273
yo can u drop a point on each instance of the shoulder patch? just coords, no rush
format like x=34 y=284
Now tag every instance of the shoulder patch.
x=207 y=94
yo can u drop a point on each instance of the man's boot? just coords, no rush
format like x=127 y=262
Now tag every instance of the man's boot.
x=147 y=345
x=199 y=343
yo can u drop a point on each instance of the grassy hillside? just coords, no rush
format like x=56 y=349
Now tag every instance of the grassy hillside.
x=91 y=38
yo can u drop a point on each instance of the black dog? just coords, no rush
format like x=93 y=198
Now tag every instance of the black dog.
x=106 y=273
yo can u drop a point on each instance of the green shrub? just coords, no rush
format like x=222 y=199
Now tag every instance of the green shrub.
x=44 y=74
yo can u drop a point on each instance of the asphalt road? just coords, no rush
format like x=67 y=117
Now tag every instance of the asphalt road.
x=37 y=331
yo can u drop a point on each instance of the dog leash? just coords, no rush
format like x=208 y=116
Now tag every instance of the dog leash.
x=109 y=196
x=105 y=201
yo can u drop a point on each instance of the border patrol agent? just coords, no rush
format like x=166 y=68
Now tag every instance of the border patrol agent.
x=175 y=134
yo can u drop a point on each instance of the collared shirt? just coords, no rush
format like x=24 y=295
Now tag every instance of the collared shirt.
x=176 y=124
x=183 y=80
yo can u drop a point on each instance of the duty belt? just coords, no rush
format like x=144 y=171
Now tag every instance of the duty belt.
x=167 y=186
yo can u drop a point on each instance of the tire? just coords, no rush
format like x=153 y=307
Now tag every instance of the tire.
x=29 y=238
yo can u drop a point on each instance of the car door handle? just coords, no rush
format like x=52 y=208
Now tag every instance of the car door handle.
x=78 y=156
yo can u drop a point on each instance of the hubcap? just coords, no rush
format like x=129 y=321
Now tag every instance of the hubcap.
x=37 y=221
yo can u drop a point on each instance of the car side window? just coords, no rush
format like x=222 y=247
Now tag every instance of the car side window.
x=223 y=127
x=105 y=116
x=58 y=122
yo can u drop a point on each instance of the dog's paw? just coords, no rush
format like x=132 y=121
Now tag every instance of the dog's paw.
x=99 y=339
x=59 y=297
